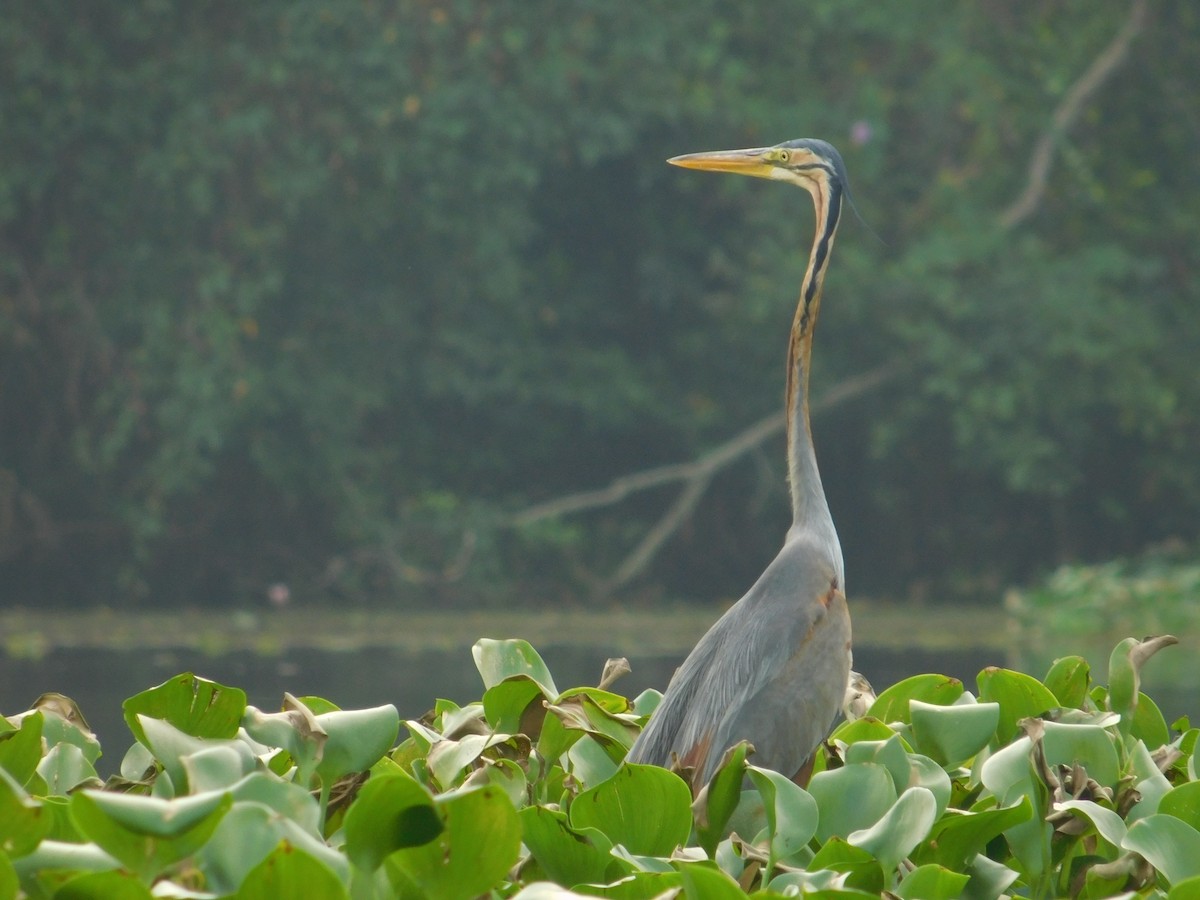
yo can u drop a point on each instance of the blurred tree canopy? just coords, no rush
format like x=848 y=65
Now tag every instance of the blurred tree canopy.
x=324 y=292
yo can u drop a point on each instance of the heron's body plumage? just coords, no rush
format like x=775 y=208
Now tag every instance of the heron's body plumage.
x=771 y=670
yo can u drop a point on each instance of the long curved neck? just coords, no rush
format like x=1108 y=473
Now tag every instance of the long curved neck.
x=809 y=508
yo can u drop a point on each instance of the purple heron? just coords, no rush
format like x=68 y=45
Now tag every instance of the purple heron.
x=774 y=669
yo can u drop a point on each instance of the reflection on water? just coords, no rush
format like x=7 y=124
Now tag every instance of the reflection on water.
x=98 y=680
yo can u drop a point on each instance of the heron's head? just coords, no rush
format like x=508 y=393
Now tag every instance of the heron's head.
x=808 y=163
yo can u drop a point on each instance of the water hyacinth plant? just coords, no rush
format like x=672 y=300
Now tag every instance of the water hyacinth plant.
x=1051 y=788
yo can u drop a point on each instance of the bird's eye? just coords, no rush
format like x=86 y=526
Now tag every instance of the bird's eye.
x=784 y=156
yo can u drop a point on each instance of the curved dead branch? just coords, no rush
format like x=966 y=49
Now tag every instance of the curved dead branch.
x=1067 y=113
x=695 y=476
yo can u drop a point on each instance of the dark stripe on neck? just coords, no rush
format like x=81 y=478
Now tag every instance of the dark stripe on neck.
x=821 y=255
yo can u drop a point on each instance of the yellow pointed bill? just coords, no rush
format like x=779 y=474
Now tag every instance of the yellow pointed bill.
x=740 y=162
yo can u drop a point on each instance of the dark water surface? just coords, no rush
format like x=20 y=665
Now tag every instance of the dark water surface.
x=99 y=680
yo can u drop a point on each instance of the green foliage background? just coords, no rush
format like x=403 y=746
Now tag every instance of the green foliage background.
x=310 y=290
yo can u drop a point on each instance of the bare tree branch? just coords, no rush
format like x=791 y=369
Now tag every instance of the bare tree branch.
x=695 y=476
x=704 y=467
x=622 y=487
x=1068 y=112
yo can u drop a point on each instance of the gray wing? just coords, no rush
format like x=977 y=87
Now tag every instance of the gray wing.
x=772 y=670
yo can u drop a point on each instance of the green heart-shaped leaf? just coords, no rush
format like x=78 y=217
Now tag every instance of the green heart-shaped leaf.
x=146 y=833
x=390 y=812
x=1019 y=696
x=953 y=734
x=644 y=808
x=893 y=704
x=290 y=872
x=851 y=798
x=479 y=842
x=900 y=829
x=568 y=855
x=357 y=739
x=1169 y=844
x=791 y=812
x=1068 y=680
x=932 y=883
x=500 y=660
x=194 y=705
